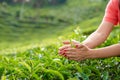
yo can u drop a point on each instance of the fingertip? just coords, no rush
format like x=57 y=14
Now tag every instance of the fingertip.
x=76 y=46
x=65 y=50
x=59 y=52
x=61 y=48
x=65 y=55
x=66 y=42
x=79 y=46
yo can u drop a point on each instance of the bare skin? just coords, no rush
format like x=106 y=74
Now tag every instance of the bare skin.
x=85 y=49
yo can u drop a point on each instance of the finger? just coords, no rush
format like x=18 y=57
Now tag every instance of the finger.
x=70 y=42
x=64 y=47
x=64 y=55
x=70 y=49
x=81 y=47
x=75 y=42
x=61 y=52
x=70 y=53
x=66 y=42
x=65 y=52
x=75 y=57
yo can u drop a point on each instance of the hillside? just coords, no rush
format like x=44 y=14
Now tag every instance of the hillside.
x=20 y=26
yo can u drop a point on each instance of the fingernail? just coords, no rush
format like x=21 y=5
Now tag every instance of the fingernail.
x=65 y=55
x=60 y=52
x=76 y=46
x=65 y=50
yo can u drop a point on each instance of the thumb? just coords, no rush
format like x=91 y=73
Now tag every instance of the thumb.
x=75 y=42
x=82 y=47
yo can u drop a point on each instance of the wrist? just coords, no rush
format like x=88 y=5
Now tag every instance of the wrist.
x=91 y=54
x=88 y=44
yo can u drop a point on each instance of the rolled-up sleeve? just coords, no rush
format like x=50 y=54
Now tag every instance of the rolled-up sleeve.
x=111 y=12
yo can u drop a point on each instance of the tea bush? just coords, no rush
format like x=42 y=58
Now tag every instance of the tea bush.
x=44 y=63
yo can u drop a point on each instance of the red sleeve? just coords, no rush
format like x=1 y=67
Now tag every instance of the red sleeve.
x=111 y=12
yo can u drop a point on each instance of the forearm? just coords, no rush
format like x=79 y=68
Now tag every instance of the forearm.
x=100 y=35
x=94 y=39
x=105 y=52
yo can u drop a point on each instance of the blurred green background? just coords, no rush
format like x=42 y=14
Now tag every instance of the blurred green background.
x=29 y=22
x=31 y=31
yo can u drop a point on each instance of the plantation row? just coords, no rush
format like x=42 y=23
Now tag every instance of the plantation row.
x=44 y=63
x=21 y=25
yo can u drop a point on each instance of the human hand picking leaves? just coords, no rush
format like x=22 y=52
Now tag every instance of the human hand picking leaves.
x=100 y=35
x=79 y=53
x=67 y=44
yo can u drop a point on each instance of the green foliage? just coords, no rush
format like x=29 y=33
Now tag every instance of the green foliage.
x=44 y=63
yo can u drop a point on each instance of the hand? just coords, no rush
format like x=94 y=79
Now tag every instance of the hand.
x=67 y=44
x=81 y=52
